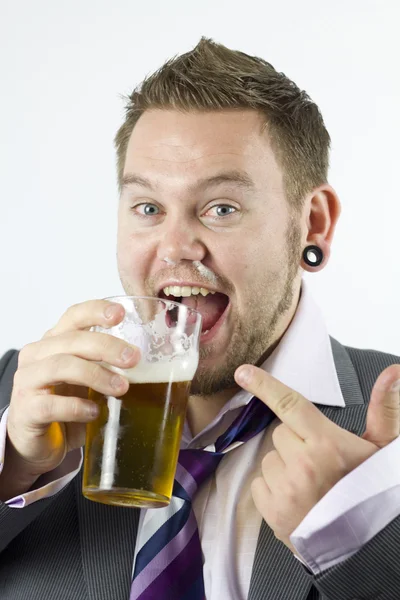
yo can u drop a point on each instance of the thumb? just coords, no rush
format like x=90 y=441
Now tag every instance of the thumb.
x=383 y=416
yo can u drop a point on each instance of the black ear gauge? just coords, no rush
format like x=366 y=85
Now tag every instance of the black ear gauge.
x=313 y=256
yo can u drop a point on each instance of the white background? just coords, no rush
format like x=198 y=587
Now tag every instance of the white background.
x=63 y=68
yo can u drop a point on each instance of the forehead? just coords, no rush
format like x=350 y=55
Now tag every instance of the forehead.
x=171 y=143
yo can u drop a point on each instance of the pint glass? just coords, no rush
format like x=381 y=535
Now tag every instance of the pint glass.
x=132 y=448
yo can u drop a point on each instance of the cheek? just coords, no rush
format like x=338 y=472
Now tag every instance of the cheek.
x=255 y=268
x=124 y=256
x=123 y=250
x=130 y=255
x=262 y=250
x=244 y=260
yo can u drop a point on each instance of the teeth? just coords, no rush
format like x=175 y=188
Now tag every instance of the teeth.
x=175 y=290
x=185 y=291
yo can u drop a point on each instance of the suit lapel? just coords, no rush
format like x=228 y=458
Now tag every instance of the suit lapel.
x=276 y=572
x=108 y=535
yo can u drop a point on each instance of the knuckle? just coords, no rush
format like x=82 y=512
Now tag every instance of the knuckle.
x=18 y=379
x=56 y=361
x=107 y=343
x=96 y=373
x=277 y=432
x=391 y=411
x=290 y=490
x=288 y=402
x=49 y=333
x=327 y=446
x=341 y=462
x=44 y=407
x=268 y=460
x=307 y=467
x=69 y=341
x=23 y=355
x=73 y=308
x=75 y=408
x=75 y=316
x=27 y=353
x=58 y=365
x=70 y=313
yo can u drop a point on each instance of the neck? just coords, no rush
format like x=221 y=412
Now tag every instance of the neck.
x=202 y=410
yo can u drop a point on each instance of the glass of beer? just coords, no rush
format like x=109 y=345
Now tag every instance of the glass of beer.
x=132 y=448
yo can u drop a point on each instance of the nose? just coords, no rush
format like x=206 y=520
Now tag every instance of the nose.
x=179 y=242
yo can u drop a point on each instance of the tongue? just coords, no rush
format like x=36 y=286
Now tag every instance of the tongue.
x=210 y=307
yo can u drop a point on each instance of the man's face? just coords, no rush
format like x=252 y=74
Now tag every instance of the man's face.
x=238 y=226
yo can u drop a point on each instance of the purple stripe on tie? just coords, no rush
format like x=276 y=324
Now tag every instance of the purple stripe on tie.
x=196 y=590
x=164 y=558
x=161 y=537
x=199 y=463
x=186 y=480
x=253 y=419
x=178 y=578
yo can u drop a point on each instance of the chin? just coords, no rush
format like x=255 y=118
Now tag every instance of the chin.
x=209 y=379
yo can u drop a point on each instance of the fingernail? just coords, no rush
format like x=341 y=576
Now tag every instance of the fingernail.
x=127 y=354
x=244 y=375
x=111 y=311
x=396 y=386
x=117 y=382
x=92 y=410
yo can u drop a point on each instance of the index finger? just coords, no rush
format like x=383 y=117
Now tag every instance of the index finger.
x=88 y=314
x=293 y=409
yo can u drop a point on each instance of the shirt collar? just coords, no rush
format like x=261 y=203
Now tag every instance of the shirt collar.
x=303 y=359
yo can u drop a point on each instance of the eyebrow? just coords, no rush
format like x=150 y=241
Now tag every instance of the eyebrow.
x=235 y=177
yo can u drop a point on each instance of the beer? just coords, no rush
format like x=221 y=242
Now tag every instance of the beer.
x=132 y=447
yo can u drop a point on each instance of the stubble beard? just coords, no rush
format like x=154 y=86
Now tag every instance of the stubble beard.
x=254 y=332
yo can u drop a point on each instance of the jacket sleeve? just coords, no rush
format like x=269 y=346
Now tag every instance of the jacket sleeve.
x=352 y=513
x=8 y=366
x=12 y=521
x=371 y=573
x=47 y=484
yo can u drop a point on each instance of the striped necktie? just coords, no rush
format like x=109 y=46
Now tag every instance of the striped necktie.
x=169 y=559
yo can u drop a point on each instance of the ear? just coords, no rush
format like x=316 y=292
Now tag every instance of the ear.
x=323 y=212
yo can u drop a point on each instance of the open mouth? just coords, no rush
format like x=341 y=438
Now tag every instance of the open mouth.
x=213 y=306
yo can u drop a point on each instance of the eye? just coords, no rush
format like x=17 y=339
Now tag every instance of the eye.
x=146 y=209
x=222 y=210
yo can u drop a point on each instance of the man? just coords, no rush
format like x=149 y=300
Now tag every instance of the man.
x=222 y=165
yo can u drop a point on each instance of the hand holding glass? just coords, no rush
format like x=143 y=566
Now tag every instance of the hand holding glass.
x=132 y=447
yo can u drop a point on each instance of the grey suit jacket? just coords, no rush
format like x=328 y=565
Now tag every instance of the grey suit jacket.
x=67 y=547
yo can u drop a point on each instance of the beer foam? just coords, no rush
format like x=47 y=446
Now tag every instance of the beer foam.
x=178 y=369
x=205 y=271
